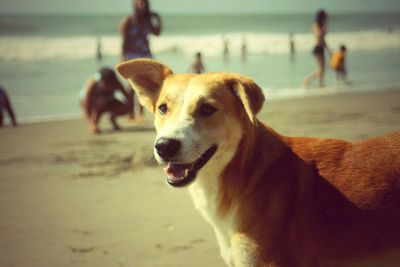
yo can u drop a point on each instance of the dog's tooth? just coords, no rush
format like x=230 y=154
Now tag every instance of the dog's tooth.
x=186 y=172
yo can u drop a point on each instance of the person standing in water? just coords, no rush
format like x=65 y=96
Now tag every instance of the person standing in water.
x=135 y=30
x=99 y=55
x=225 y=52
x=197 y=66
x=292 y=49
x=243 y=50
x=319 y=29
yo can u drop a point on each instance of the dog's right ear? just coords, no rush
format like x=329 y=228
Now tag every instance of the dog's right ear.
x=146 y=77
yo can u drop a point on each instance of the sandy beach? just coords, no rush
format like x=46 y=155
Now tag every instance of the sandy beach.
x=70 y=198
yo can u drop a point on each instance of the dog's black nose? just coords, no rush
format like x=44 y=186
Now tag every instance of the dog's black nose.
x=167 y=148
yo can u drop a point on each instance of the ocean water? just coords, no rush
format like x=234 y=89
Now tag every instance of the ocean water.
x=45 y=59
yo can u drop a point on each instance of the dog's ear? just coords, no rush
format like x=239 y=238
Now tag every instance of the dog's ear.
x=146 y=77
x=248 y=92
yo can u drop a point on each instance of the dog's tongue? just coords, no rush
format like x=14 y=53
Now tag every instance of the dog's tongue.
x=177 y=171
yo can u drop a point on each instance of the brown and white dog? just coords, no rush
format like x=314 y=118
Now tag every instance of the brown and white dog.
x=271 y=200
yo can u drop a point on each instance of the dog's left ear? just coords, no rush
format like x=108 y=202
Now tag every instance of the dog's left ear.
x=146 y=77
x=248 y=92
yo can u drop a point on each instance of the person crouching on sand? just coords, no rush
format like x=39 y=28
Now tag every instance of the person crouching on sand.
x=338 y=64
x=100 y=96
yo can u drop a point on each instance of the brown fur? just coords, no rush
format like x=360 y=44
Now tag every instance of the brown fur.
x=324 y=202
x=300 y=201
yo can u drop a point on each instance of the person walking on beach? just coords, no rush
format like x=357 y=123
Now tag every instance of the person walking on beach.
x=319 y=29
x=197 y=66
x=135 y=30
x=5 y=104
x=338 y=64
x=99 y=96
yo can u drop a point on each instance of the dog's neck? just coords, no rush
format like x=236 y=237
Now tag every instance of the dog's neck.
x=258 y=150
x=214 y=189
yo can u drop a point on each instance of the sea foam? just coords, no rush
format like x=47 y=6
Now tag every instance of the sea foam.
x=39 y=48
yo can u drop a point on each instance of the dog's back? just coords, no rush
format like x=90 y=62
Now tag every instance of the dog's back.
x=364 y=172
x=350 y=196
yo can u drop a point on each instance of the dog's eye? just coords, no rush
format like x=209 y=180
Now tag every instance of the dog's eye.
x=206 y=110
x=163 y=108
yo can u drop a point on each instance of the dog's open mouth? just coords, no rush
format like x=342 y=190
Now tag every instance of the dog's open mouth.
x=182 y=174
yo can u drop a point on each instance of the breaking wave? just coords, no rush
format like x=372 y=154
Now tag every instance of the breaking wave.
x=39 y=48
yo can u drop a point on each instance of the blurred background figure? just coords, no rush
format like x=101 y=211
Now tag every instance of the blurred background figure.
x=292 y=49
x=135 y=30
x=243 y=50
x=338 y=64
x=319 y=29
x=225 y=45
x=100 y=96
x=197 y=66
x=99 y=55
x=5 y=105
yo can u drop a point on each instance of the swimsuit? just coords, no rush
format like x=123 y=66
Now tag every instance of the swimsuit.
x=318 y=50
x=101 y=93
x=138 y=43
x=105 y=100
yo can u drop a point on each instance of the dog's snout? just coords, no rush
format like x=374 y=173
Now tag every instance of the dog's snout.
x=167 y=148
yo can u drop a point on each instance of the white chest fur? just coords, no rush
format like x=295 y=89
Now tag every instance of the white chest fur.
x=204 y=193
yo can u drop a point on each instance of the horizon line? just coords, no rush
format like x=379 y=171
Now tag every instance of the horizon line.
x=358 y=12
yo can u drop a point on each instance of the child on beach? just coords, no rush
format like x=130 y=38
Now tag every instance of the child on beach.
x=338 y=63
x=99 y=96
x=197 y=66
x=5 y=104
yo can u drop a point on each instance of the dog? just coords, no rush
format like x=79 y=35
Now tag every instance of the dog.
x=272 y=200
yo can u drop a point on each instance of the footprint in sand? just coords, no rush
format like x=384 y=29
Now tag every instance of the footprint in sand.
x=197 y=241
x=169 y=227
x=82 y=232
x=81 y=250
x=183 y=247
x=179 y=248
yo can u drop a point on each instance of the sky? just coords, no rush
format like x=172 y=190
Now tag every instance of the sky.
x=199 y=6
